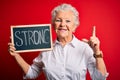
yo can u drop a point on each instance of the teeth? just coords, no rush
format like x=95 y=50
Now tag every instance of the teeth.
x=61 y=30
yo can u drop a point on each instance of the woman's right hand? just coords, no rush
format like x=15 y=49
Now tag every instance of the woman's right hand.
x=22 y=63
x=12 y=49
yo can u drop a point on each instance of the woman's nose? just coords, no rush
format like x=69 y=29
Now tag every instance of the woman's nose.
x=63 y=24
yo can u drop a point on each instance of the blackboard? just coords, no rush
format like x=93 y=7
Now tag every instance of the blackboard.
x=28 y=38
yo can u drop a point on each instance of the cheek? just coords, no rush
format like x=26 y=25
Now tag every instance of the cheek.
x=55 y=25
x=72 y=28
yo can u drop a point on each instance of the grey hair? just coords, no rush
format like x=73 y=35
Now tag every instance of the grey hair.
x=64 y=7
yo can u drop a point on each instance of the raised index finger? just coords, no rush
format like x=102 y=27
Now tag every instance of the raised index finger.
x=94 y=31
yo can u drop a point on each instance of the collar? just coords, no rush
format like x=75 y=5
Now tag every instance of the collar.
x=72 y=43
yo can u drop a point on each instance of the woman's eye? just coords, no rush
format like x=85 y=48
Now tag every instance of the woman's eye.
x=67 y=21
x=57 y=20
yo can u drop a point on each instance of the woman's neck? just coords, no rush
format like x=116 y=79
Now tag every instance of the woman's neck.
x=65 y=40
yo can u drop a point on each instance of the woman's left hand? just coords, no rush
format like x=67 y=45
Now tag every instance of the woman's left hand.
x=93 y=42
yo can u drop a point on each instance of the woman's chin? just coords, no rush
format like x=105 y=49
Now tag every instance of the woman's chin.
x=63 y=36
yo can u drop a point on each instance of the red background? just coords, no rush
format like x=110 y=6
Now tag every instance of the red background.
x=105 y=14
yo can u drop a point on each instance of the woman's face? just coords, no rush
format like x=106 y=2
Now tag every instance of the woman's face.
x=64 y=24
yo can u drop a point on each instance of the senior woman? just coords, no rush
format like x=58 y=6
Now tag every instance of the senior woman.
x=70 y=58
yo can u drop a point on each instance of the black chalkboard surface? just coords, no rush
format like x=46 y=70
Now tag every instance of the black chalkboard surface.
x=28 y=38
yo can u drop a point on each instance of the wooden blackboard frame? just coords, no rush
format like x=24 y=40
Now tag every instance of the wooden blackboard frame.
x=32 y=26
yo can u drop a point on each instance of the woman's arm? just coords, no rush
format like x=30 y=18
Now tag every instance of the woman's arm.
x=95 y=45
x=22 y=63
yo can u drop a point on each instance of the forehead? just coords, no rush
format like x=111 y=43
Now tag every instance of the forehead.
x=65 y=14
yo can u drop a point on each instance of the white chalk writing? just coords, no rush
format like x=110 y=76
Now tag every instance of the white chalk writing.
x=31 y=37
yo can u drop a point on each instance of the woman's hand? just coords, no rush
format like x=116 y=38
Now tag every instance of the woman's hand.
x=93 y=42
x=12 y=49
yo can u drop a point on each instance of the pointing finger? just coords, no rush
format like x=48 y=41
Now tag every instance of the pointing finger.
x=94 y=31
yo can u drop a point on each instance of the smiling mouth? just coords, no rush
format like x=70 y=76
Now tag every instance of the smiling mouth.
x=62 y=29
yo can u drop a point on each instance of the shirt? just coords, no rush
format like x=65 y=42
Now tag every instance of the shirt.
x=70 y=62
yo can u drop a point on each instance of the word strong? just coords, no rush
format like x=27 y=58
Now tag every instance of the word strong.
x=31 y=37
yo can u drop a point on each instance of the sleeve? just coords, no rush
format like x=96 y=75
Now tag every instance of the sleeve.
x=91 y=64
x=35 y=68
